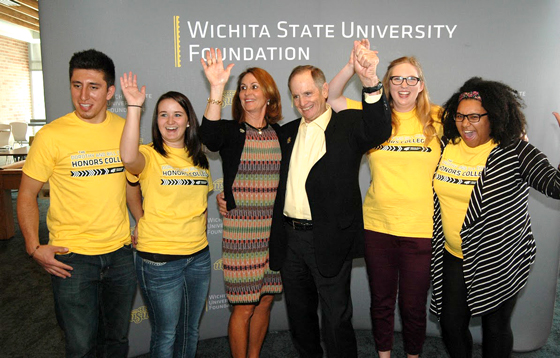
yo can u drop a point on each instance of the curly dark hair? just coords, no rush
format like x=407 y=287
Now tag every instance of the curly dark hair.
x=193 y=144
x=503 y=105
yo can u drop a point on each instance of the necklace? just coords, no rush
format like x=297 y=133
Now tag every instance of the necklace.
x=258 y=129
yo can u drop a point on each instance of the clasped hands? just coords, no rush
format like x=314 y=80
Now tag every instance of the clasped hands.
x=365 y=63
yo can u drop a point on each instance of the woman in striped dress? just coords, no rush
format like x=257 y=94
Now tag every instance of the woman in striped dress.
x=250 y=150
x=483 y=246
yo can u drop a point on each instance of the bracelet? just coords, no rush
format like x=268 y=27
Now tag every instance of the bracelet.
x=215 y=101
x=134 y=105
x=33 y=253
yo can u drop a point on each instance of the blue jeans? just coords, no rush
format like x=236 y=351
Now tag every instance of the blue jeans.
x=101 y=289
x=175 y=294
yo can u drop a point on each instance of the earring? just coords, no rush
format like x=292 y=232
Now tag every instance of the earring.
x=267 y=102
x=188 y=125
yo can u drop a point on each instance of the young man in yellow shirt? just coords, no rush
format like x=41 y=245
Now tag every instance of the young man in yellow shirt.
x=89 y=254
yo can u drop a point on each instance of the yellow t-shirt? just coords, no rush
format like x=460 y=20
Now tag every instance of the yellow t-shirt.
x=81 y=161
x=456 y=176
x=399 y=200
x=175 y=202
x=351 y=104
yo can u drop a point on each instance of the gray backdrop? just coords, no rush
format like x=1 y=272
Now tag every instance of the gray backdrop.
x=512 y=41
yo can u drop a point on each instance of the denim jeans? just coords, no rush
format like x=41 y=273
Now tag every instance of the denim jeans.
x=100 y=290
x=175 y=294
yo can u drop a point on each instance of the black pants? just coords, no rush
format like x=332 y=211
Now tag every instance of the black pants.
x=304 y=288
x=497 y=337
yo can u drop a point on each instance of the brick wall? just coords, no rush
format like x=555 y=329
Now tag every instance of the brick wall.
x=15 y=81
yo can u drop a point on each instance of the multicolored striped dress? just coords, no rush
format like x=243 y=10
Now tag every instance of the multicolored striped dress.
x=246 y=232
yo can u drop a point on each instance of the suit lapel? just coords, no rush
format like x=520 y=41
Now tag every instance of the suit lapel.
x=330 y=132
x=291 y=134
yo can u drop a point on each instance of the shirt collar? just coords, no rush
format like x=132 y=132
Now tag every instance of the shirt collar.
x=322 y=121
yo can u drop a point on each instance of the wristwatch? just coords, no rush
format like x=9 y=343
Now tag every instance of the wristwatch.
x=373 y=89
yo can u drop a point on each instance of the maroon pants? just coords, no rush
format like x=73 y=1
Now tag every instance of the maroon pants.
x=398 y=264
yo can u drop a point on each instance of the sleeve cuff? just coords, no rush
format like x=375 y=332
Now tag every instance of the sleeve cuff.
x=131 y=177
x=373 y=98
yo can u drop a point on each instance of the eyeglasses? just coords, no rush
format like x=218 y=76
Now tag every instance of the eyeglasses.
x=410 y=80
x=471 y=117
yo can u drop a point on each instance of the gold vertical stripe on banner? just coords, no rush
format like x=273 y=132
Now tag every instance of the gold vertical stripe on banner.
x=177 y=39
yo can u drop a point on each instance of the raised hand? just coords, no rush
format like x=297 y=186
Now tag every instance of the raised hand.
x=214 y=69
x=353 y=58
x=365 y=43
x=132 y=159
x=130 y=90
x=366 y=63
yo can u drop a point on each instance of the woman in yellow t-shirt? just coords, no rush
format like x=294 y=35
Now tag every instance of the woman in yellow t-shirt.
x=173 y=260
x=483 y=242
x=398 y=206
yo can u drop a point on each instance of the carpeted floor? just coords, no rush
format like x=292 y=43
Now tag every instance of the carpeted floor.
x=28 y=327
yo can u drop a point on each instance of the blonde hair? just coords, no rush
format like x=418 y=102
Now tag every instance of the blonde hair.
x=424 y=107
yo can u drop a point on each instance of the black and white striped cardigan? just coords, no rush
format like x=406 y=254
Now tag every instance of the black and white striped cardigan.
x=498 y=244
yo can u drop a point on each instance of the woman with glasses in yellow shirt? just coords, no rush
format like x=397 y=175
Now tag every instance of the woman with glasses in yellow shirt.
x=398 y=206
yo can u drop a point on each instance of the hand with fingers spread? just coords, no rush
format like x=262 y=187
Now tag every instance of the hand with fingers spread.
x=45 y=256
x=133 y=161
x=217 y=77
x=214 y=69
x=129 y=85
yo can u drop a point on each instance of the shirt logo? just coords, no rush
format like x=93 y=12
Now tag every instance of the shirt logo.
x=95 y=172
x=183 y=182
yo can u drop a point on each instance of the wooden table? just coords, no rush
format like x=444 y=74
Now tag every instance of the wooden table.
x=9 y=179
x=17 y=153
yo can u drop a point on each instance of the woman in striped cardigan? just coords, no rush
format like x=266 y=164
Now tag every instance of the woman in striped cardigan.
x=483 y=246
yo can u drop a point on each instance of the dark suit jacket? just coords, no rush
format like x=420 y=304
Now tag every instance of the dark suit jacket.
x=332 y=186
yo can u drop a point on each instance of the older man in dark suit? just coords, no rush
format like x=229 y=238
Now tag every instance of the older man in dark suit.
x=317 y=225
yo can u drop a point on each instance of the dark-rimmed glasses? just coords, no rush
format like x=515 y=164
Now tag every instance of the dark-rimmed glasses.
x=471 y=117
x=410 y=80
